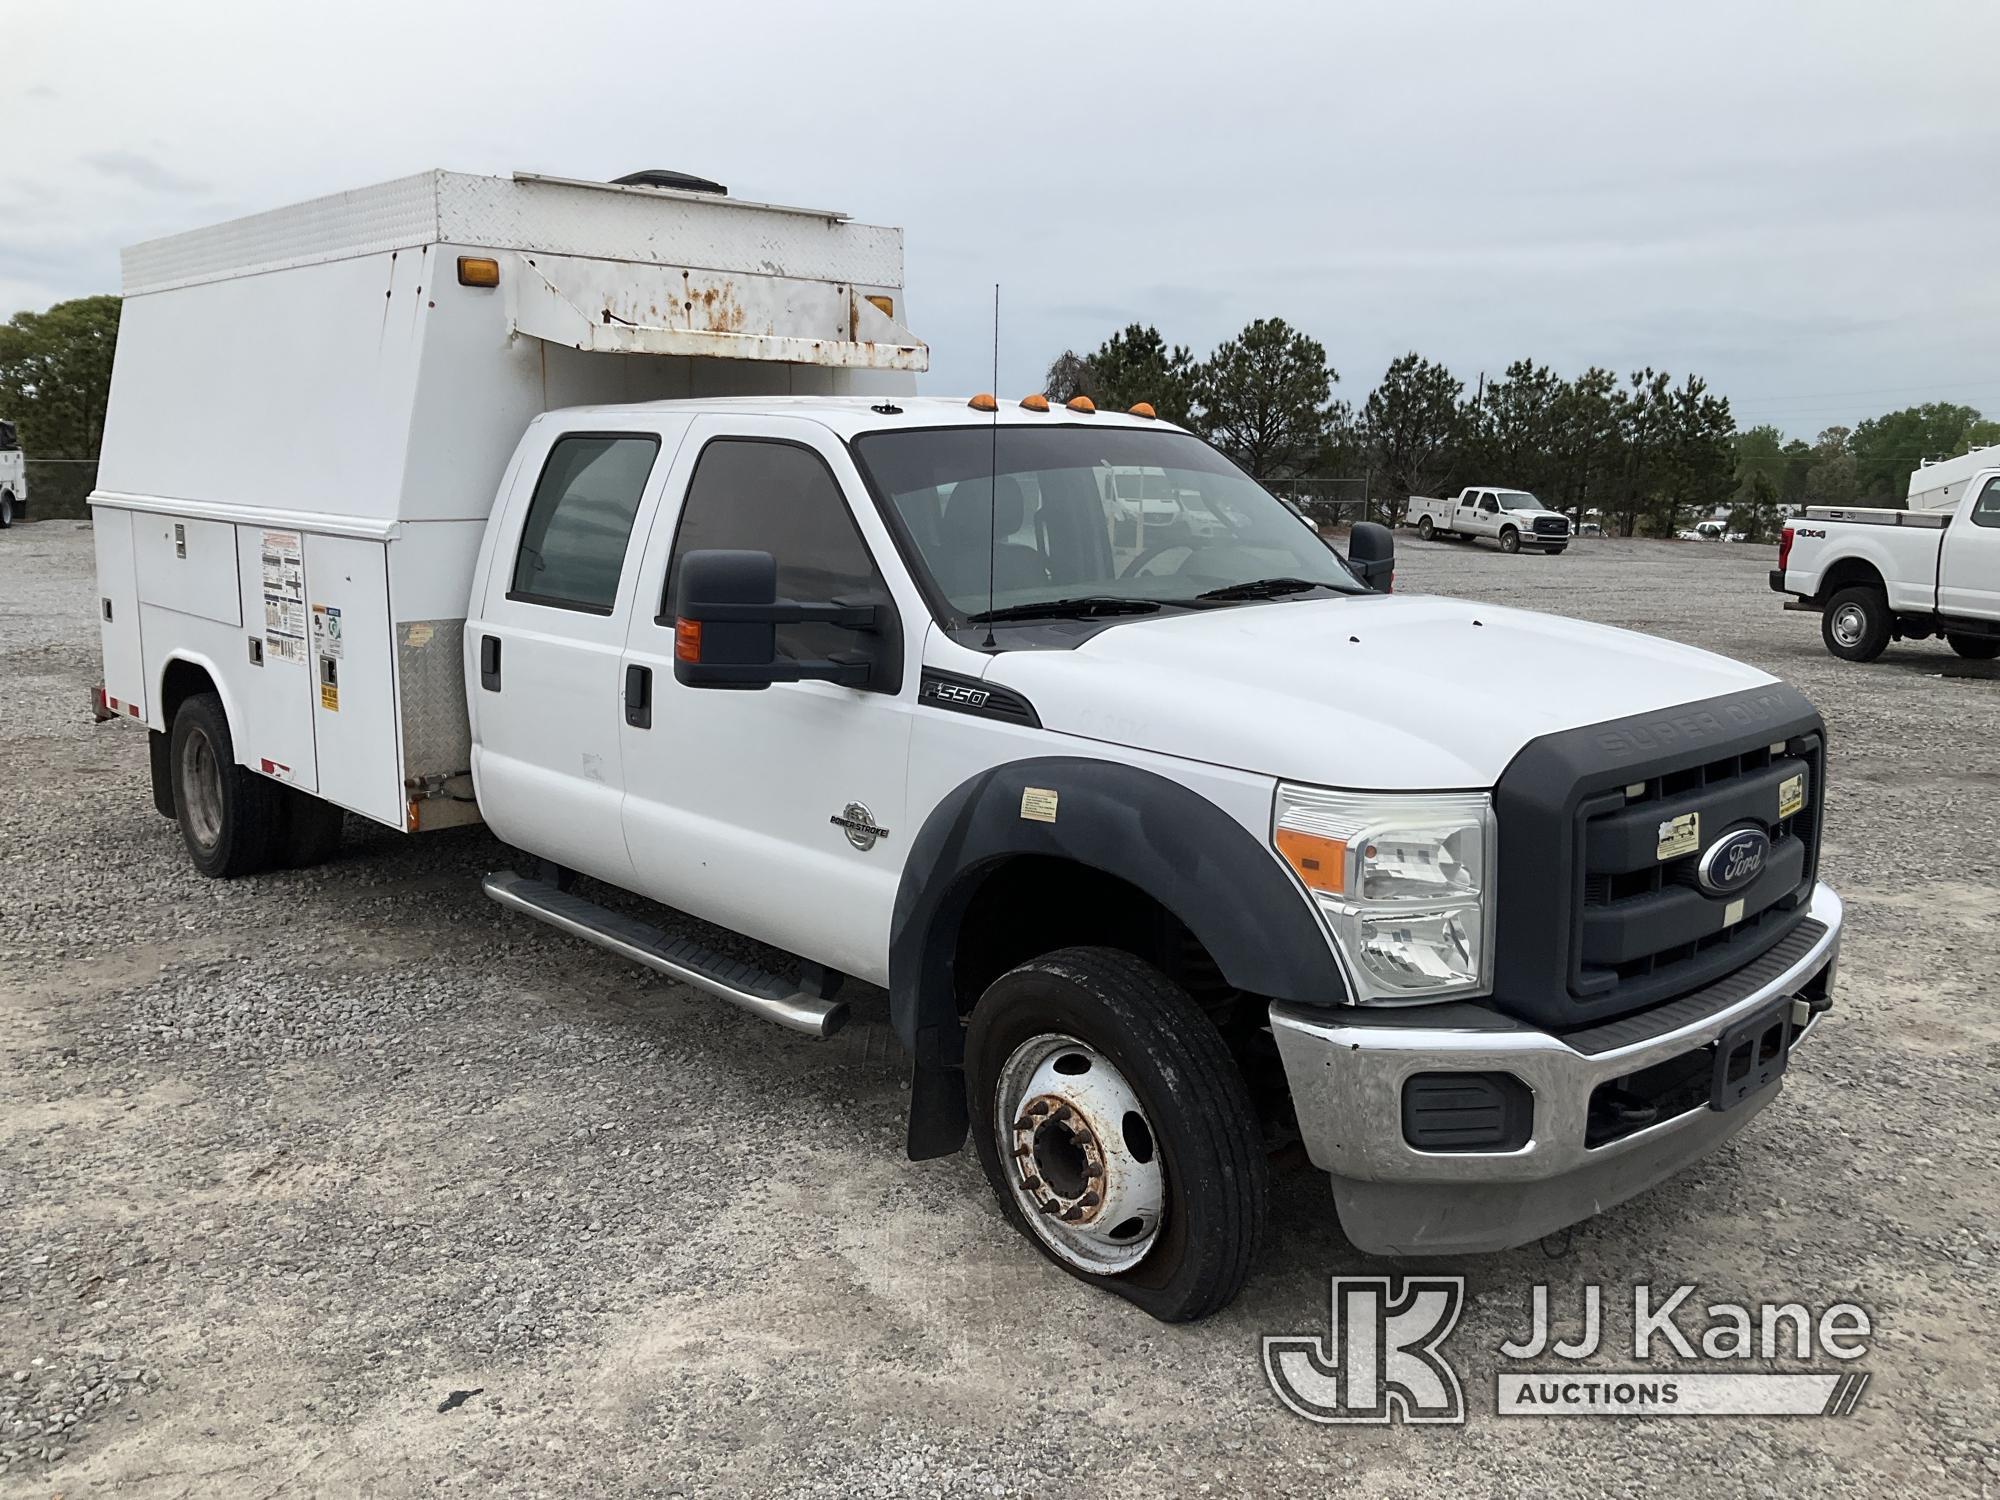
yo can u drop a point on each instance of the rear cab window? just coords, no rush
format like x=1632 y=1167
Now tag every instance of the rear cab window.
x=572 y=548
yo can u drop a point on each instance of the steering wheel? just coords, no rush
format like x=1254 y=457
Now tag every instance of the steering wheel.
x=1138 y=566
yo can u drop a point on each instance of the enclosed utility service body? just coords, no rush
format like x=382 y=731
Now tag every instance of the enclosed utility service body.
x=313 y=408
x=1162 y=852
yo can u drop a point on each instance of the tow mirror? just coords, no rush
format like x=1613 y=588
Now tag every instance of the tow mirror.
x=726 y=618
x=1371 y=552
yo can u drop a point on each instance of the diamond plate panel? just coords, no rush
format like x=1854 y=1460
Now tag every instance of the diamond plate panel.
x=673 y=230
x=430 y=678
x=389 y=216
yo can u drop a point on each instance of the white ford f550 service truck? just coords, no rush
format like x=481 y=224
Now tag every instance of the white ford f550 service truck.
x=1875 y=576
x=1514 y=518
x=1164 y=853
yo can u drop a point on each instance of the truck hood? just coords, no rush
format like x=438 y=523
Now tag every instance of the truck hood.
x=1396 y=692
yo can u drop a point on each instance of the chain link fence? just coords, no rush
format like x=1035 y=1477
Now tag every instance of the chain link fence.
x=1329 y=503
x=59 y=487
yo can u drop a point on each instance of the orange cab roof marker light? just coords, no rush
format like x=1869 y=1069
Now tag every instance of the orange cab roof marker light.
x=1143 y=409
x=1036 y=402
x=1081 y=404
x=984 y=401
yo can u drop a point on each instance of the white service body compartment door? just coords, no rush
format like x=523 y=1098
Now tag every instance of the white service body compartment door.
x=351 y=659
x=274 y=728
x=188 y=566
x=118 y=611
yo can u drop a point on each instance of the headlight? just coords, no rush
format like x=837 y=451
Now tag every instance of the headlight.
x=1403 y=881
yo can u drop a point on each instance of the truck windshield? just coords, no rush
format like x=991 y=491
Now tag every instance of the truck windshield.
x=1098 y=515
x=1518 y=500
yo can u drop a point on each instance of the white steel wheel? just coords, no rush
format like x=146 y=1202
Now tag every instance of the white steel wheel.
x=1084 y=1163
x=1849 y=624
x=201 y=789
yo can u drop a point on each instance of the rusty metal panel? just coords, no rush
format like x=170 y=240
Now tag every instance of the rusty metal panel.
x=619 y=308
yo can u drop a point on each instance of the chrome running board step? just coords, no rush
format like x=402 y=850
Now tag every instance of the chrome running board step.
x=756 y=990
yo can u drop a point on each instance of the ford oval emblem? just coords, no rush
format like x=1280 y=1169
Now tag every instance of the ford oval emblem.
x=1733 y=861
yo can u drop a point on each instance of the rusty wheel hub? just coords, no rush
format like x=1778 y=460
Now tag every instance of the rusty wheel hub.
x=1081 y=1153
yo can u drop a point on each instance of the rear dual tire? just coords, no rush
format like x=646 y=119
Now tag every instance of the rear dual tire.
x=1116 y=1130
x=1974 y=647
x=234 y=821
x=1425 y=528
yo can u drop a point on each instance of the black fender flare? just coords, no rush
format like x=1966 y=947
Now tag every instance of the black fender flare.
x=1199 y=863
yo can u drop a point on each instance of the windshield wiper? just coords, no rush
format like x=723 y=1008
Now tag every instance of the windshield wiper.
x=1056 y=609
x=1264 y=588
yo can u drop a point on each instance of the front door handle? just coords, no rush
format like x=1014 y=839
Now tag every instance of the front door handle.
x=639 y=697
x=489 y=663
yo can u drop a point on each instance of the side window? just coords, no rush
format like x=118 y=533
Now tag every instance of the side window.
x=1986 y=510
x=782 y=499
x=1488 y=504
x=573 y=542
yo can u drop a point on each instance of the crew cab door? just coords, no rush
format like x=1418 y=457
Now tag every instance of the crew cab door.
x=751 y=808
x=1969 y=571
x=543 y=674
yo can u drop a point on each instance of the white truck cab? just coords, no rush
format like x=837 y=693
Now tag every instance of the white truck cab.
x=1513 y=518
x=1876 y=576
x=1163 y=856
x=13 y=478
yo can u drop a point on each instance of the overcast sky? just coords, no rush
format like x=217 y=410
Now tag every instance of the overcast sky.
x=1800 y=202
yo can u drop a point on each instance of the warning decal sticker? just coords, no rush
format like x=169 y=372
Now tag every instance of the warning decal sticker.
x=284 y=597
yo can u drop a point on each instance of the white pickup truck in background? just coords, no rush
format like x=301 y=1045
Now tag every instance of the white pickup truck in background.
x=606 y=514
x=1514 y=518
x=13 y=478
x=1877 y=576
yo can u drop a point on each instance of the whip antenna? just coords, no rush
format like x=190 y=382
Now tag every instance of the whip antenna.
x=993 y=472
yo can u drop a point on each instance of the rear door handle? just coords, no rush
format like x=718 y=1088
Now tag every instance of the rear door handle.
x=489 y=663
x=639 y=697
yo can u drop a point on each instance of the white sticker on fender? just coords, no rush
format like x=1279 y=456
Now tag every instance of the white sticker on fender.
x=1680 y=835
x=1038 y=804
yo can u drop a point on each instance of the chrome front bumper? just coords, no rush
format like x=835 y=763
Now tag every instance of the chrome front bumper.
x=1347 y=1072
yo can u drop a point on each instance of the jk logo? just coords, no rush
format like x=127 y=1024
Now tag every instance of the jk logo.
x=1381 y=1363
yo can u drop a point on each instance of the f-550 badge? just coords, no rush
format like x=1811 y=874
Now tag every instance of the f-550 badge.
x=859 y=824
x=964 y=694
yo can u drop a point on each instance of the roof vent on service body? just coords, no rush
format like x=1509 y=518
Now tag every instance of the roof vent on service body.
x=683 y=181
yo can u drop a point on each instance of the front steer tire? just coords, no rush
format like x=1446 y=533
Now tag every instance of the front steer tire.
x=1856 y=624
x=1974 y=647
x=1196 y=1117
x=229 y=816
x=1510 y=540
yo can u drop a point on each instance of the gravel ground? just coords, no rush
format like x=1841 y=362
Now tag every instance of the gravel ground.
x=344 y=1181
